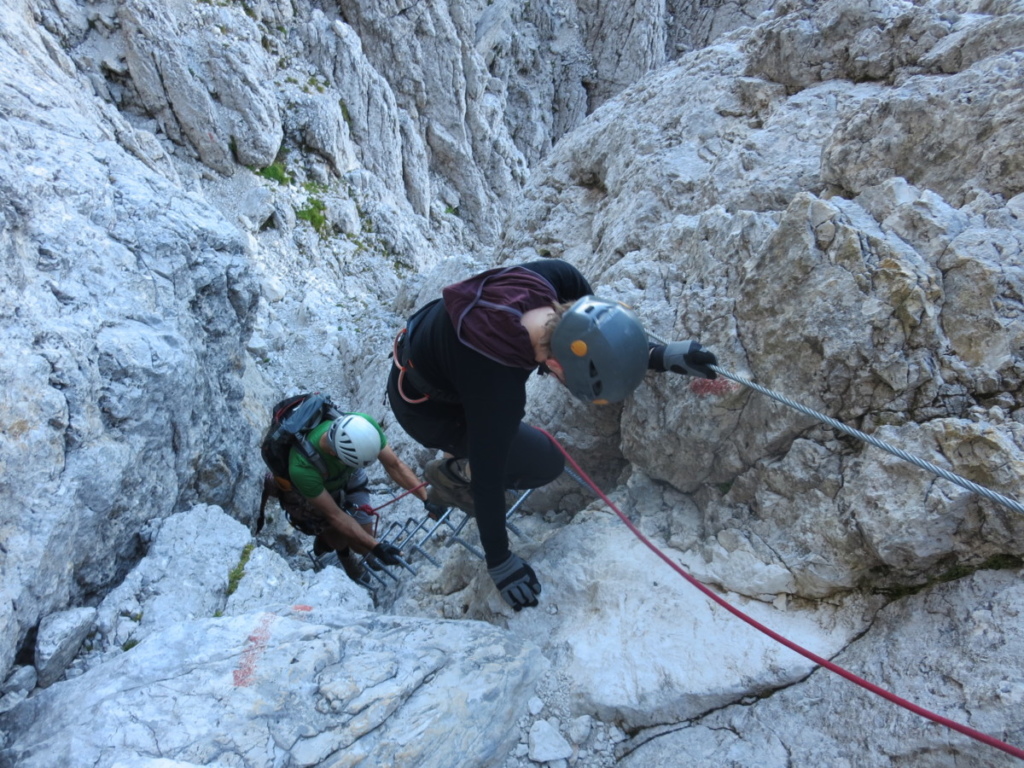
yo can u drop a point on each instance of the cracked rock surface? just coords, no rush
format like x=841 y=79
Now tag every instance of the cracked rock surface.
x=206 y=206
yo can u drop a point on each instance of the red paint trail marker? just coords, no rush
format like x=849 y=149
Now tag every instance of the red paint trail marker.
x=256 y=645
x=718 y=387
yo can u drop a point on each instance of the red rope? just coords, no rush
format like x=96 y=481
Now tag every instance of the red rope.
x=396 y=498
x=375 y=511
x=974 y=734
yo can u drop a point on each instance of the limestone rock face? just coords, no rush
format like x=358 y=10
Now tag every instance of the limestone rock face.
x=706 y=199
x=308 y=685
x=327 y=675
x=59 y=640
x=208 y=90
x=866 y=729
x=183 y=575
x=125 y=301
x=654 y=662
x=206 y=206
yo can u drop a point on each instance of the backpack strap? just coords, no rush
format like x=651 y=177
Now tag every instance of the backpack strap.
x=418 y=316
x=305 y=447
x=486 y=311
x=315 y=405
x=261 y=519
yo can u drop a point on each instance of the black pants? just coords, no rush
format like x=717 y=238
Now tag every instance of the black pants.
x=533 y=460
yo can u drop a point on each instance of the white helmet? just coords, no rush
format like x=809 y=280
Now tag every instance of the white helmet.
x=356 y=441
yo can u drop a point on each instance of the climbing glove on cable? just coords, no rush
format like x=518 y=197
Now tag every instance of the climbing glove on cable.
x=388 y=554
x=517 y=582
x=690 y=358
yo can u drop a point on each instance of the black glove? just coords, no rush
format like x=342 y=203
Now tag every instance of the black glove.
x=434 y=511
x=387 y=554
x=690 y=358
x=517 y=582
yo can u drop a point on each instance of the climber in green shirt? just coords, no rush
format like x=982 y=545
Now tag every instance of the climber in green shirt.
x=334 y=507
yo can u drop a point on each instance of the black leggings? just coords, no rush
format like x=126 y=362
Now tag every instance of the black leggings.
x=533 y=460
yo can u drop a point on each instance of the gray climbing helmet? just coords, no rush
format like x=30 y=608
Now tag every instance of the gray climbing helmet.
x=356 y=441
x=602 y=347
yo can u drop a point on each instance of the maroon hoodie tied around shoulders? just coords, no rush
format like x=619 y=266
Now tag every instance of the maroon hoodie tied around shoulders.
x=486 y=311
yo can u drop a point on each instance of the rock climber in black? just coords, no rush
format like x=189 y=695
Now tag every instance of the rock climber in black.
x=459 y=385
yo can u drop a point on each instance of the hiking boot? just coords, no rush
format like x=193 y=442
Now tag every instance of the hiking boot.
x=354 y=569
x=448 y=488
x=320 y=546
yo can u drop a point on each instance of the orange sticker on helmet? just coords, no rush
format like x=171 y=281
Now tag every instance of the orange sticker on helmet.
x=579 y=347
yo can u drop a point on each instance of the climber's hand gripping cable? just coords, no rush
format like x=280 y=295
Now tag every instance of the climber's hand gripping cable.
x=686 y=357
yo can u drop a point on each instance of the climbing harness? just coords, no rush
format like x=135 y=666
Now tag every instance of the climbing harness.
x=400 y=355
x=404 y=366
x=581 y=477
x=407 y=372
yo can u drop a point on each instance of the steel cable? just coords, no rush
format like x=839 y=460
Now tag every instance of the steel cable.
x=963 y=482
x=926 y=465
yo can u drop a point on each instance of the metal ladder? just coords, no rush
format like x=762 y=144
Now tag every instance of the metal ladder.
x=412 y=536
